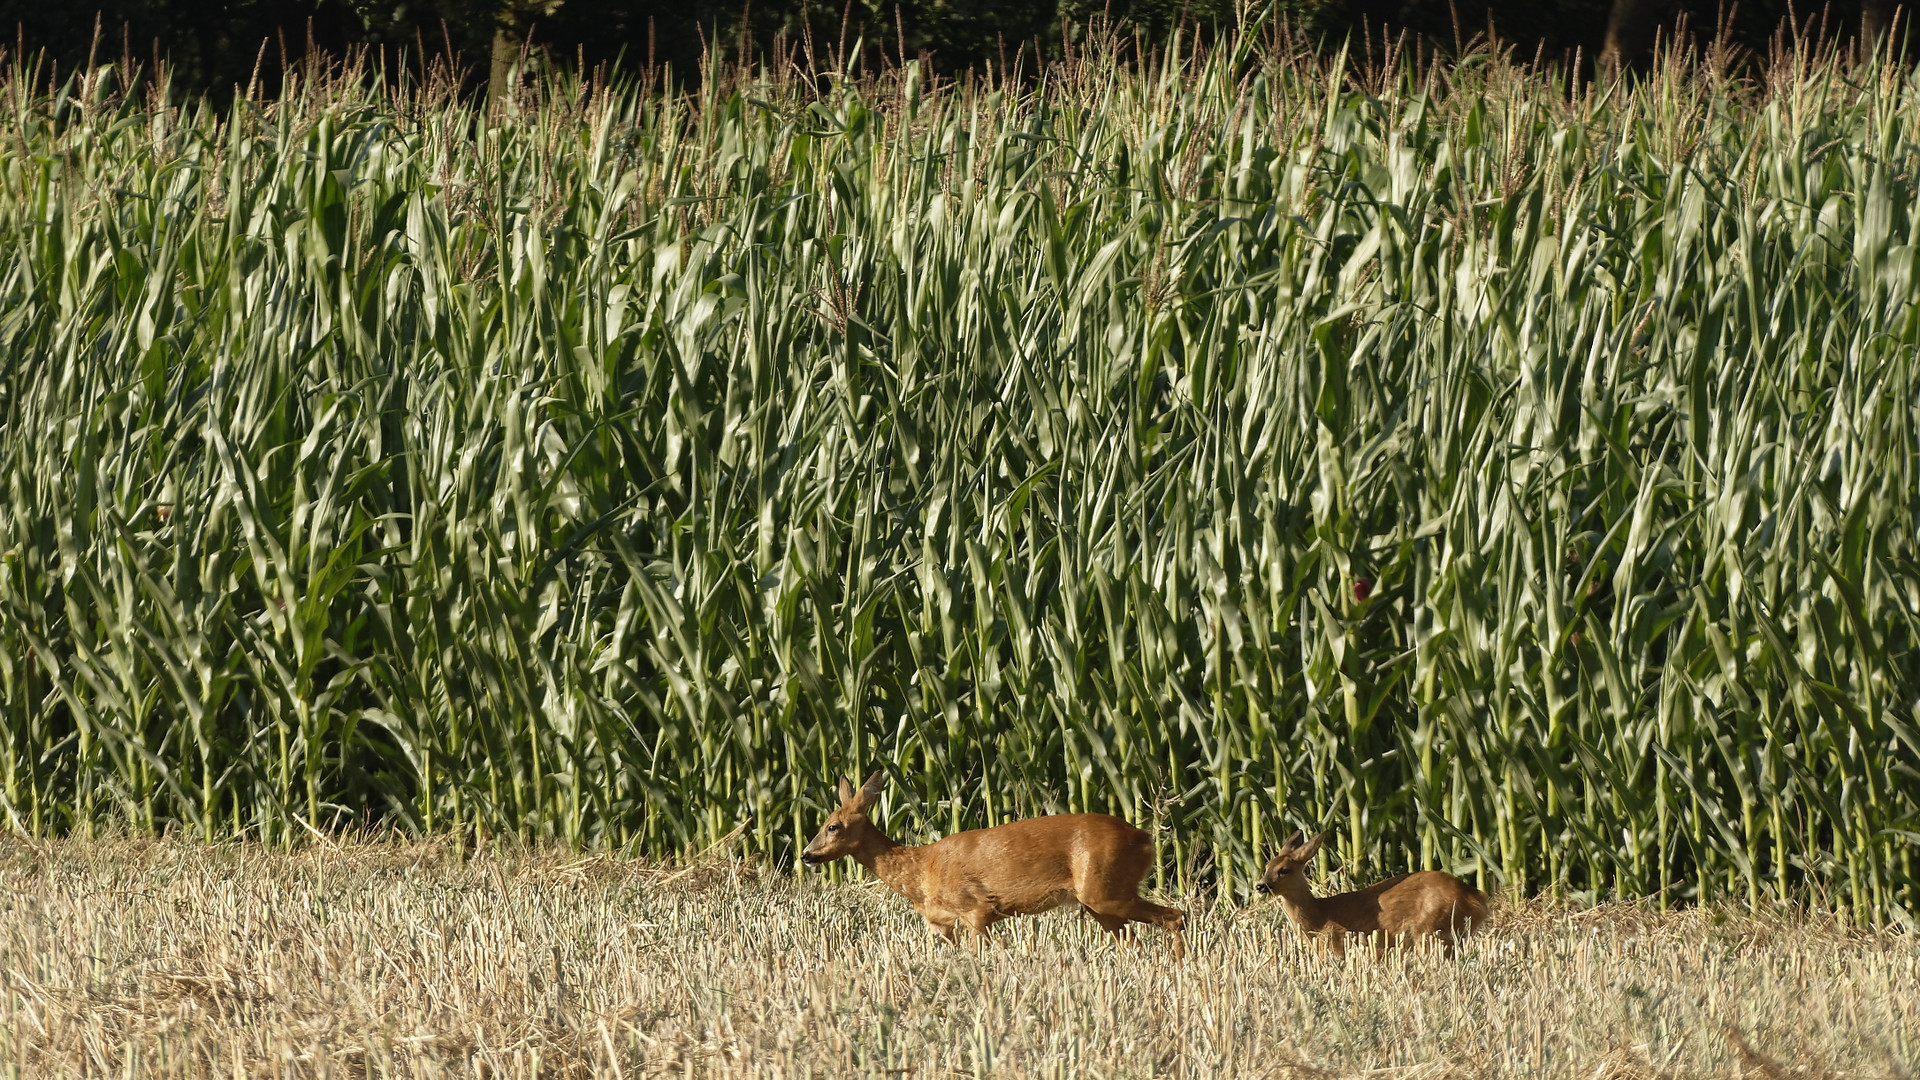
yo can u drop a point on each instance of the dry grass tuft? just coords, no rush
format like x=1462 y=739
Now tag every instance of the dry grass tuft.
x=159 y=958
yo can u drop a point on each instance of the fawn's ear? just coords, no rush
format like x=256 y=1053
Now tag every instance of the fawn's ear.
x=870 y=791
x=846 y=792
x=1299 y=837
x=1312 y=846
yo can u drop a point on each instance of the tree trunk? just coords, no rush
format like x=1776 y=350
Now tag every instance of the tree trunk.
x=506 y=53
x=1626 y=35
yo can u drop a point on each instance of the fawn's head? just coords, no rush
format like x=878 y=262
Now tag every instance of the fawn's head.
x=848 y=828
x=1292 y=857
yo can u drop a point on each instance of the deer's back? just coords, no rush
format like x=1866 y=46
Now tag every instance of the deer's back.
x=1035 y=865
x=1429 y=902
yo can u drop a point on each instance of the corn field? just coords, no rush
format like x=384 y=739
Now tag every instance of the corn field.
x=1513 y=474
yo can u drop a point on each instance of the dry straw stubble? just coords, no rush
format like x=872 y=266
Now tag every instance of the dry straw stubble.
x=170 y=959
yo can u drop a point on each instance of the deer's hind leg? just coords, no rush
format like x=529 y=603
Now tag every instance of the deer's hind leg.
x=1118 y=911
x=1112 y=924
x=1112 y=895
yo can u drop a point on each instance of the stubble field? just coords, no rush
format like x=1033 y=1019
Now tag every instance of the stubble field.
x=160 y=958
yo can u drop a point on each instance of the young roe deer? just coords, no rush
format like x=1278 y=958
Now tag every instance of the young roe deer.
x=1027 y=867
x=1410 y=907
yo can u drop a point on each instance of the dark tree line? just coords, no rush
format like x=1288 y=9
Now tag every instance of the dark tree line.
x=216 y=44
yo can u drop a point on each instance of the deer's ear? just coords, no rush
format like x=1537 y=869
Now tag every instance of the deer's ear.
x=846 y=792
x=1313 y=845
x=1299 y=837
x=870 y=791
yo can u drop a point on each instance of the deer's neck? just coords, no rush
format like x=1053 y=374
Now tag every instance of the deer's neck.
x=1308 y=911
x=898 y=867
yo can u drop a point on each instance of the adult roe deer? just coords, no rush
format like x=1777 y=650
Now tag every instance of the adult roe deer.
x=1021 y=868
x=1407 y=907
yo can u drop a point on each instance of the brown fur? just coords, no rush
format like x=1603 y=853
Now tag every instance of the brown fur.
x=1022 y=868
x=1408 y=908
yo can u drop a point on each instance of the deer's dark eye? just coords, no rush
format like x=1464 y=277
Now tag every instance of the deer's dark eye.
x=833 y=828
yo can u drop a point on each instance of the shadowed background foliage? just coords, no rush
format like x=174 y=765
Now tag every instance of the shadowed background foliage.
x=217 y=44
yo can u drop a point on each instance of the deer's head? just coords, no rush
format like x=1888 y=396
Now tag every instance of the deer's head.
x=848 y=829
x=1292 y=857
